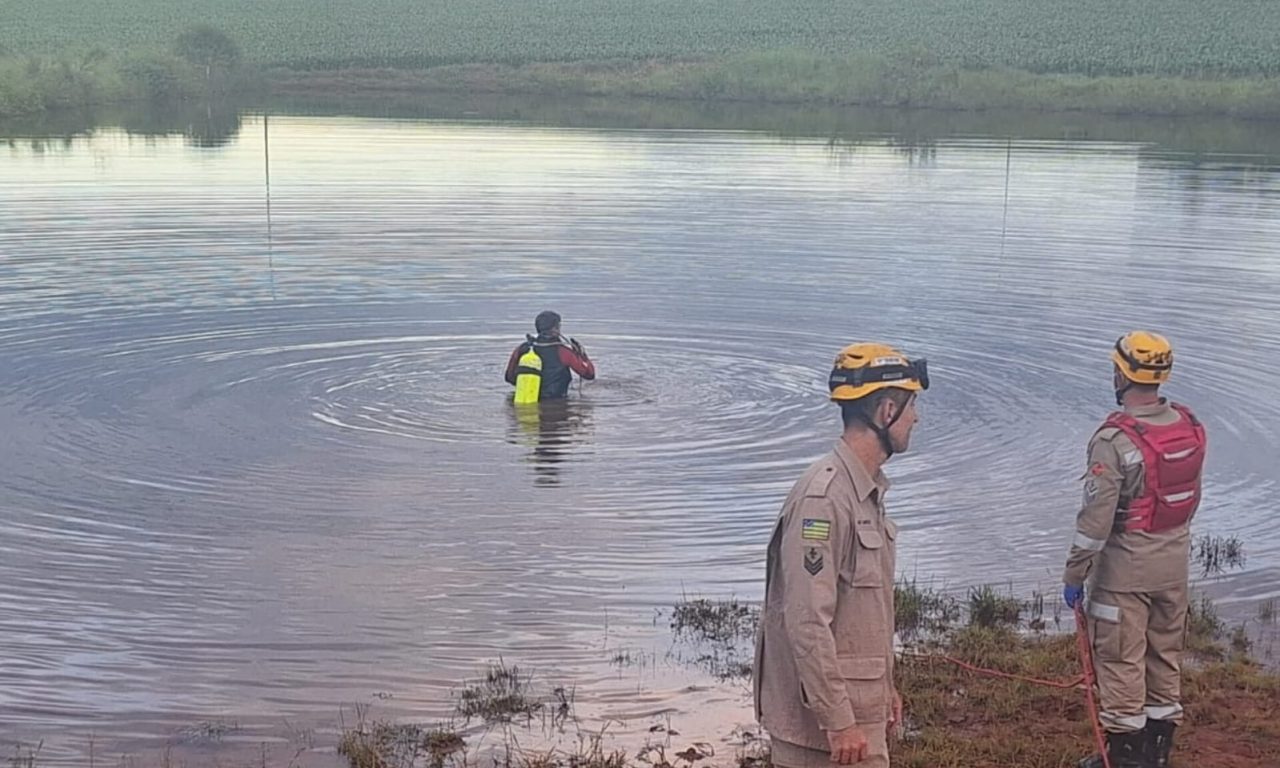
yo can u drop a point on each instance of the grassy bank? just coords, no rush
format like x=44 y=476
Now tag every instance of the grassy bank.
x=510 y=716
x=958 y=719
x=202 y=62
x=34 y=84
x=797 y=77
x=963 y=720
x=954 y=718
x=30 y=84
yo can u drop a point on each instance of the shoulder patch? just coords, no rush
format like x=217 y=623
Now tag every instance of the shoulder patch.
x=1090 y=491
x=821 y=480
x=816 y=530
x=1125 y=453
x=1107 y=434
x=1098 y=469
x=813 y=561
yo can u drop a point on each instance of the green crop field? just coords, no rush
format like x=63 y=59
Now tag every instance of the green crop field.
x=1173 y=37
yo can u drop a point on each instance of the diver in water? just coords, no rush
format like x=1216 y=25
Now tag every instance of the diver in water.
x=542 y=367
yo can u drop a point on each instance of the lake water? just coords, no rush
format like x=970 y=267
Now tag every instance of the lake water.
x=258 y=461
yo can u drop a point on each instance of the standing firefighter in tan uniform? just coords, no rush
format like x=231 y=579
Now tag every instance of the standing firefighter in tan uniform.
x=824 y=653
x=1132 y=545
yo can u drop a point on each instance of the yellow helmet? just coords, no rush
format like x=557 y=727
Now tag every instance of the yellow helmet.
x=1143 y=357
x=861 y=369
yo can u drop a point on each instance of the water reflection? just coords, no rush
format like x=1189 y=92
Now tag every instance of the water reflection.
x=915 y=133
x=904 y=128
x=213 y=126
x=551 y=431
x=203 y=125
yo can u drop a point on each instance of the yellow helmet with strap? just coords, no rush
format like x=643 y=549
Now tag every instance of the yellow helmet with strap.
x=1143 y=357
x=861 y=369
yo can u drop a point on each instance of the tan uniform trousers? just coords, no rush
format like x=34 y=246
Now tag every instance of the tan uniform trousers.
x=784 y=754
x=1137 y=651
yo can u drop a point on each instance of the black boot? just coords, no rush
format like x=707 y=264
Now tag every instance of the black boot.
x=1160 y=741
x=1124 y=750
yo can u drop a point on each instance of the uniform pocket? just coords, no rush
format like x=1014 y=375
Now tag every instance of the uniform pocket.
x=865 y=682
x=1104 y=631
x=868 y=570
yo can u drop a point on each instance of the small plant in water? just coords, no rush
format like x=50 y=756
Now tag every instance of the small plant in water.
x=753 y=750
x=987 y=608
x=210 y=731
x=391 y=745
x=720 y=631
x=501 y=696
x=589 y=753
x=1240 y=642
x=1037 y=621
x=1217 y=554
x=923 y=609
x=441 y=742
x=736 y=669
x=622 y=659
x=26 y=759
x=1204 y=628
x=1267 y=611
x=719 y=621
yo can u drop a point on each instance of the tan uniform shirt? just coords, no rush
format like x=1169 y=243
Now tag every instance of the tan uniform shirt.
x=824 y=652
x=1119 y=560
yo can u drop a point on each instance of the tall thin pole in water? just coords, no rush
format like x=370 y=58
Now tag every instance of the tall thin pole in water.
x=1008 y=161
x=266 y=162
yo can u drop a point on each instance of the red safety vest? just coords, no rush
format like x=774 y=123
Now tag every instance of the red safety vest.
x=1173 y=455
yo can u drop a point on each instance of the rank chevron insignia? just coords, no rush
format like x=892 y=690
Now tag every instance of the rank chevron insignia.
x=813 y=561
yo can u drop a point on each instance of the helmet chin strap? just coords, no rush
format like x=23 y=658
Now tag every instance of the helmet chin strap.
x=883 y=432
x=1120 y=391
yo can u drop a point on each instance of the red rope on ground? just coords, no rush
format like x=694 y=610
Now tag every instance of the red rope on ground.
x=1086 y=680
x=1064 y=685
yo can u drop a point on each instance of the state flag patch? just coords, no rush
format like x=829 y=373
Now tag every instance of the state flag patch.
x=816 y=530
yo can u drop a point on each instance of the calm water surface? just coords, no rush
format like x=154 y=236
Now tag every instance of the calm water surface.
x=258 y=461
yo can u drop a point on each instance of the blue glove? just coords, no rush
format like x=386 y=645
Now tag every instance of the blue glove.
x=1072 y=595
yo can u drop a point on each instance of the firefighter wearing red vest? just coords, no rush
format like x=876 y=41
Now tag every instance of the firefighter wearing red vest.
x=1132 y=545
